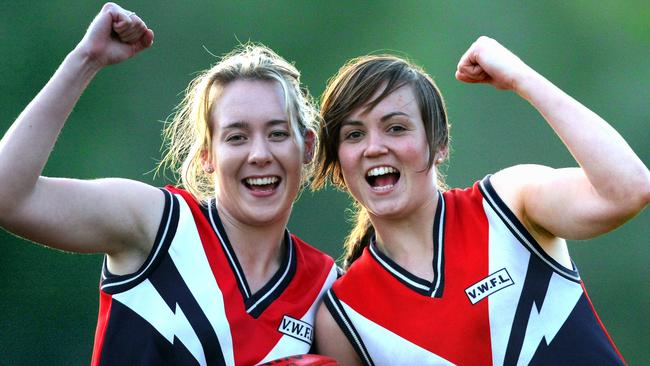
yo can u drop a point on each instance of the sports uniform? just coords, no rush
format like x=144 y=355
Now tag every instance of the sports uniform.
x=496 y=298
x=189 y=303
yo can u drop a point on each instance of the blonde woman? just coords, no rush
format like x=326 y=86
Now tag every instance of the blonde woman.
x=204 y=273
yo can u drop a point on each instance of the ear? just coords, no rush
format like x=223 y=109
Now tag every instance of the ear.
x=206 y=162
x=310 y=145
x=441 y=155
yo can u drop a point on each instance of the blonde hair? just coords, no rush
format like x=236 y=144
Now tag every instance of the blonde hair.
x=353 y=87
x=189 y=134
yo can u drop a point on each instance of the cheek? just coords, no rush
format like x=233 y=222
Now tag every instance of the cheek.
x=416 y=151
x=346 y=161
x=349 y=165
x=293 y=158
x=224 y=162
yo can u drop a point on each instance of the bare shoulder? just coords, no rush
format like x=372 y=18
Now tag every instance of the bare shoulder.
x=116 y=216
x=529 y=191
x=514 y=179
x=139 y=203
x=330 y=340
x=139 y=208
x=516 y=184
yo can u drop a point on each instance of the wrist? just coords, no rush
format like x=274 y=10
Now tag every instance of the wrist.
x=85 y=59
x=78 y=68
x=527 y=82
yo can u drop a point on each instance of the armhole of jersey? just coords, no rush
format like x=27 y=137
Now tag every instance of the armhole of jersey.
x=522 y=234
x=114 y=284
x=338 y=313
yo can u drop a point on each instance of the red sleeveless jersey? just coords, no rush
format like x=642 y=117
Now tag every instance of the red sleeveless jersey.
x=496 y=298
x=189 y=303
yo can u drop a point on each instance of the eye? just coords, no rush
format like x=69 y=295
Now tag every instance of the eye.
x=352 y=135
x=279 y=135
x=235 y=138
x=396 y=129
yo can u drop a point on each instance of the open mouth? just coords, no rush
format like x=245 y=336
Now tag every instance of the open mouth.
x=383 y=177
x=262 y=184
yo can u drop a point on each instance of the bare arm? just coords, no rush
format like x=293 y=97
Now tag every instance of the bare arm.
x=330 y=340
x=84 y=216
x=609 y=187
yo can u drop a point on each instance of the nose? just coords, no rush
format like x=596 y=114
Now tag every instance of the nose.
x=375 y=145
x=260 y=154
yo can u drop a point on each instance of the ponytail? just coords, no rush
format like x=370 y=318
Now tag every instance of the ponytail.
x=359 y=237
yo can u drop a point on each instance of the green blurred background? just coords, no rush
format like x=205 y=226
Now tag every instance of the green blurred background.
x=596 y=51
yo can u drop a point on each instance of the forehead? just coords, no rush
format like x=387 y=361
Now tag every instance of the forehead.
x=250 y=102
x=402 y=100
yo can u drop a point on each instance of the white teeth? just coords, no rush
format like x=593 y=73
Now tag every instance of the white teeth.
x=381 y=171
x=261 y=181
x=384 y=188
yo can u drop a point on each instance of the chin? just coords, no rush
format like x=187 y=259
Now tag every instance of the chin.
x=385 y=211
x=258 y=216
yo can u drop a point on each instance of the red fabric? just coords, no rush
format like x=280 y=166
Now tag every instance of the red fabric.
x=420 y=318
x=105 y=301
x=254 y=338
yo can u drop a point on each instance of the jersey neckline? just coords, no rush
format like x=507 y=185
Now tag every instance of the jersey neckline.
x=420 y=285
x=255 y=303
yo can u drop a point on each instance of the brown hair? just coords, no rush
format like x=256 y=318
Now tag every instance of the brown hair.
x=190 y=131
x=353 y=87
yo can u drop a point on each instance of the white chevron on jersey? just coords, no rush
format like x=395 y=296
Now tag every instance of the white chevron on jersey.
x=544 y=323
x=505 y=252
x=170 y=323
x=562 y=295
x=277 y=351
x=197 y=274
x=195 y=270
x=386 y=346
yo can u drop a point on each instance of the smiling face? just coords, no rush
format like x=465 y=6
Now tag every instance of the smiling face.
x=383 y=155
x=256 y=161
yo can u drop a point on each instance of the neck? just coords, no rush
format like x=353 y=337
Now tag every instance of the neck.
x=259 y=248
x=408 y=240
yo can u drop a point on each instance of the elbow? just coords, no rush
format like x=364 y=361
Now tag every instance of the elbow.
x=623 y=202
x=644 y=195
x=643 y=190
x=634 y=194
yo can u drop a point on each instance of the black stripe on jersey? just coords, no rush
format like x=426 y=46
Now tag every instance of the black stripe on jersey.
x=532 y=296
x=113 y=284
x=338 y=313
x=172 y=288
x=134 y=341
x=438 y=248
x=255 y=303
x=521 y=233
x=580 y=340
x=415 y=283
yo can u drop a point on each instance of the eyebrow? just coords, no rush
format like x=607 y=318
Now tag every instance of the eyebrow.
x=245 y=125
x=393 y=114
x=354 y=122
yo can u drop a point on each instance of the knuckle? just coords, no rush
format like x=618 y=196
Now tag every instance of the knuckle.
x=109 y=6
